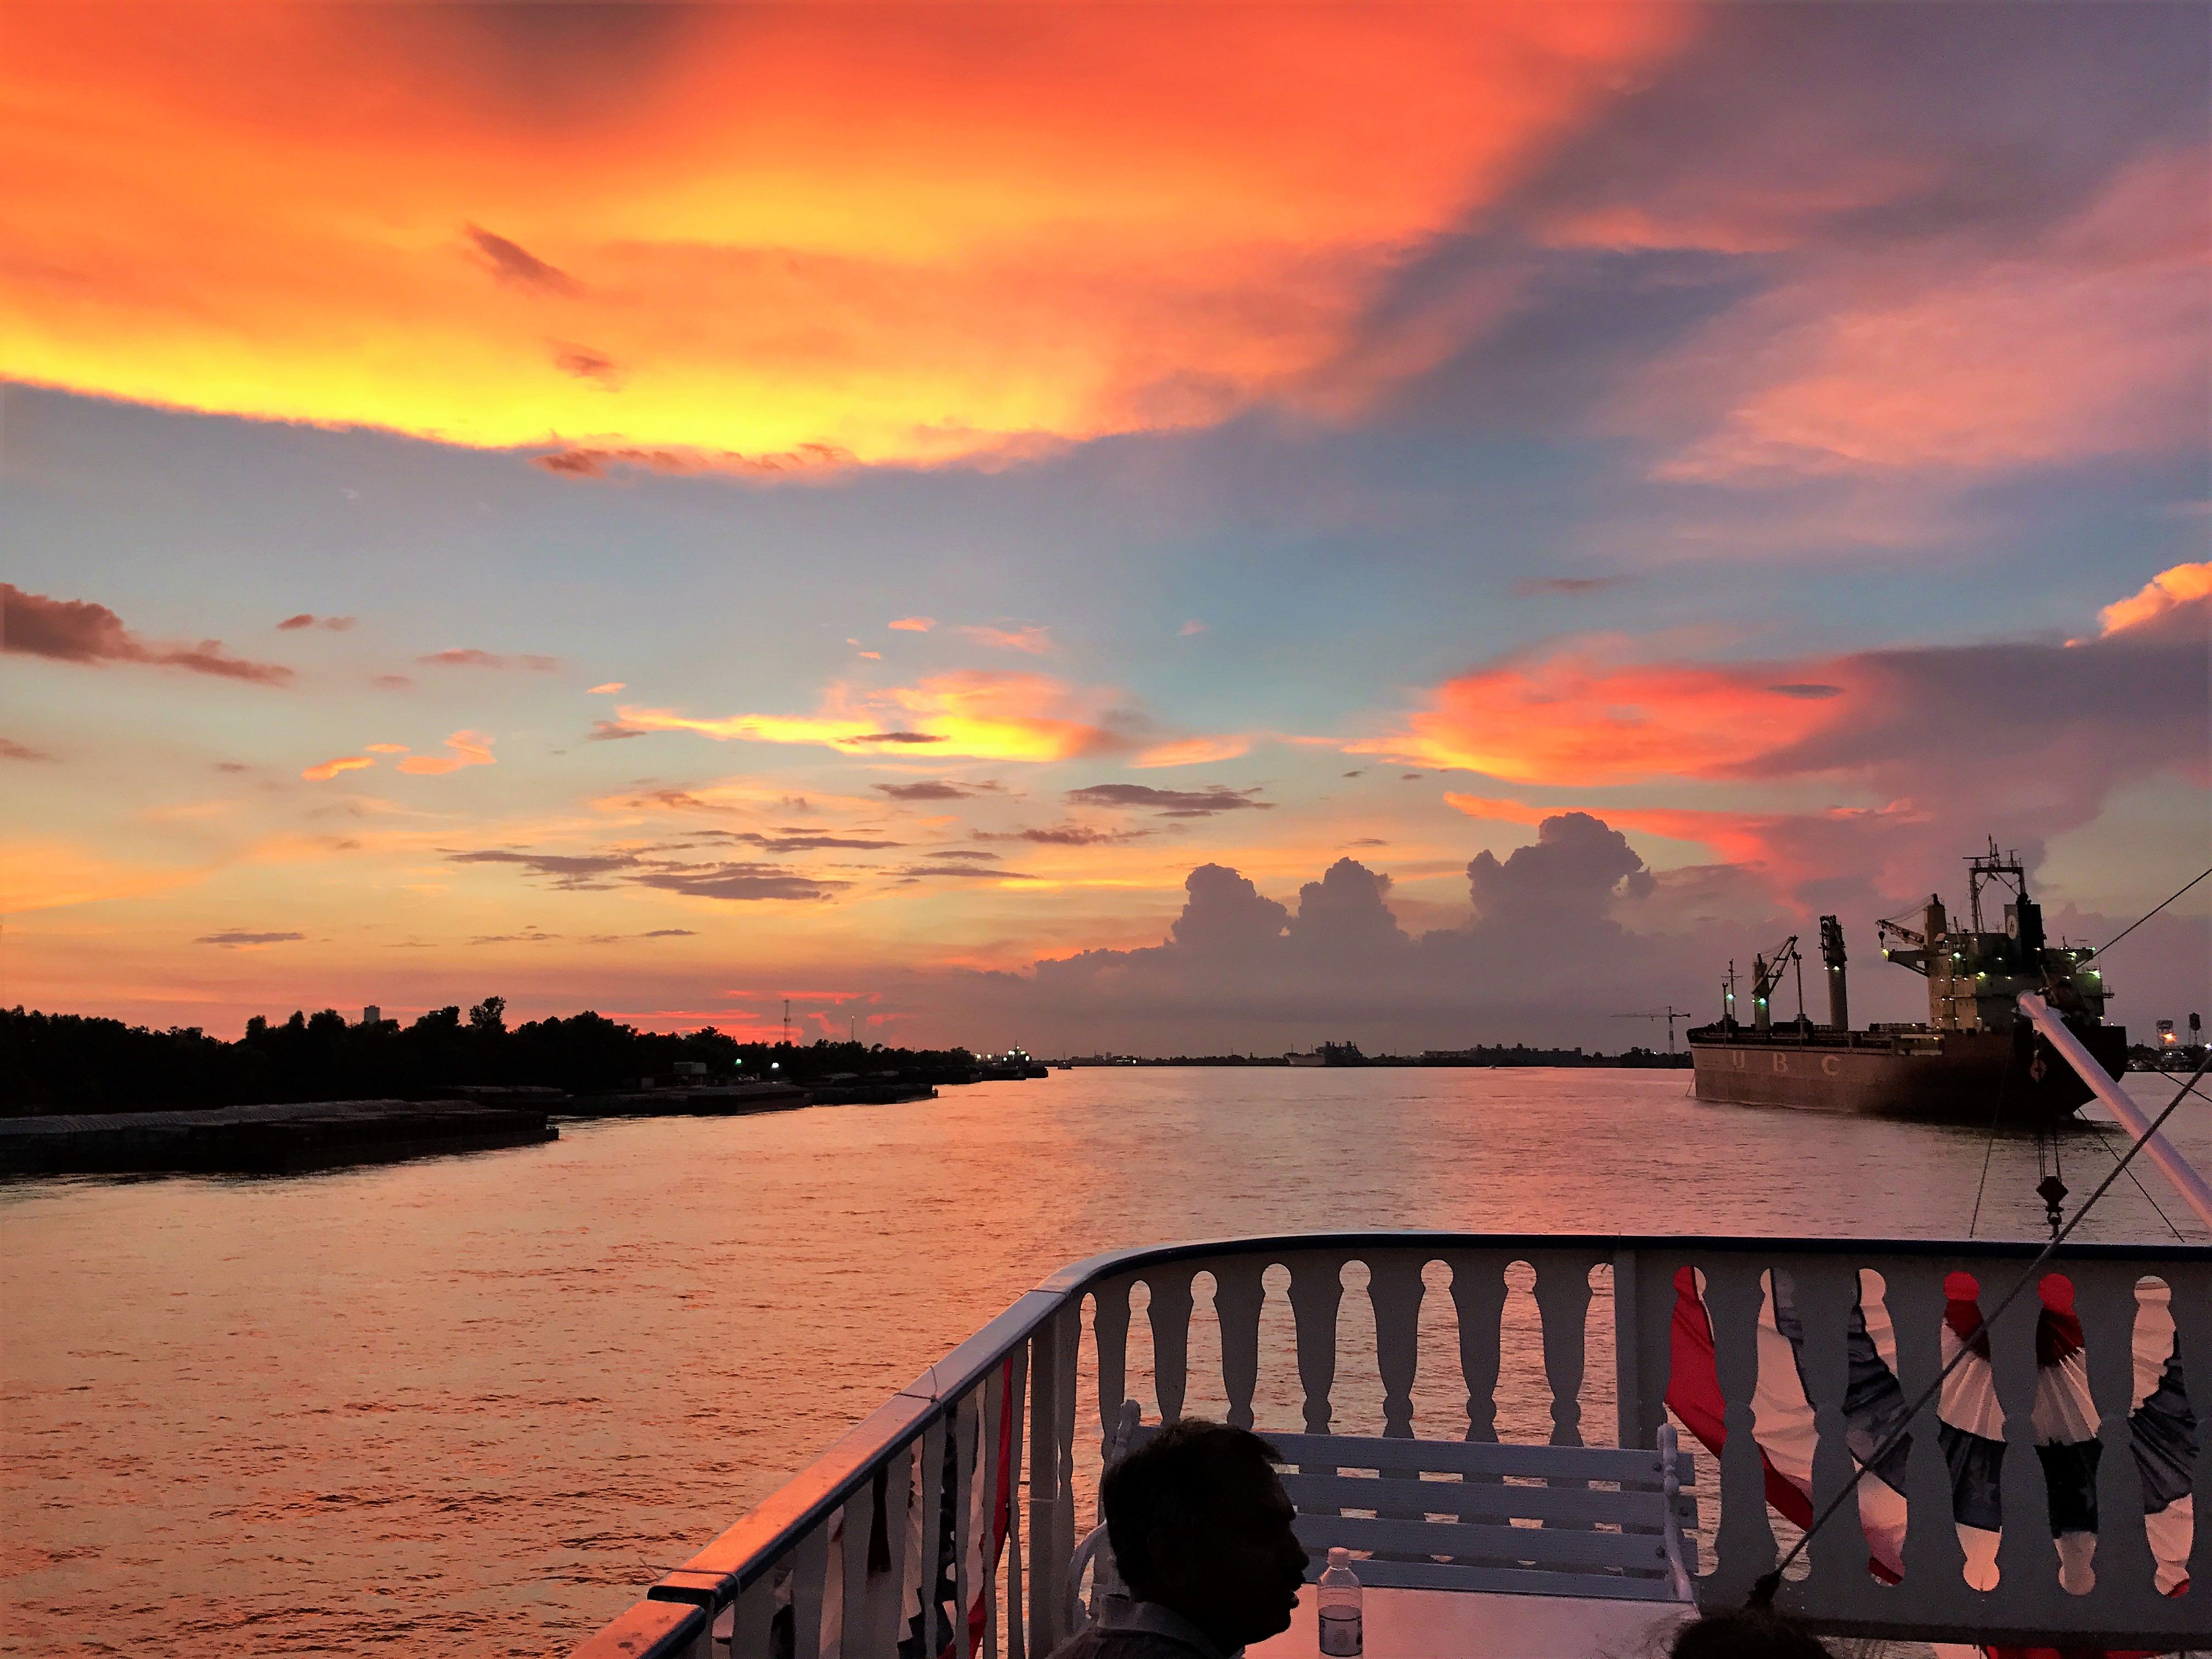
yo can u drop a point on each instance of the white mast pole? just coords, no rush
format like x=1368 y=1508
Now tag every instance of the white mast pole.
x=2172 y=1164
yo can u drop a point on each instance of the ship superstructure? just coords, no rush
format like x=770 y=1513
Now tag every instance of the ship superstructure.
x=1975 y=973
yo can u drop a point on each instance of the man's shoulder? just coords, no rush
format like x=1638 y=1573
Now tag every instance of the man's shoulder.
x=1122 y=1643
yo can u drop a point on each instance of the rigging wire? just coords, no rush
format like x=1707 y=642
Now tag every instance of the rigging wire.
x=2091 y=1126
x=2148 y=914
x=1763 y=1592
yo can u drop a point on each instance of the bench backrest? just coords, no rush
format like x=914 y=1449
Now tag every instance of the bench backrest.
x=1472 y=1514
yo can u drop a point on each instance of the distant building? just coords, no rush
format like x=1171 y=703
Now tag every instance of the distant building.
x=372 y=1015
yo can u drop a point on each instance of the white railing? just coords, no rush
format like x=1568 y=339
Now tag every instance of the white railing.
x=962 y=1492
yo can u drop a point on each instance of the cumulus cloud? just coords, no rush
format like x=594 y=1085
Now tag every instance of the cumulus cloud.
x=1540 y=942
x=241 y=939
x=468 y=749
x=469 y=657
x=80 y=631
x=1170 y=803
x=2171 y=594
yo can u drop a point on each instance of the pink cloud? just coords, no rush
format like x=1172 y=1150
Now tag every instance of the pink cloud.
x=469 y=748
x=608 y=690
x=1957 y=359
x=309 y=619
x=914 y=624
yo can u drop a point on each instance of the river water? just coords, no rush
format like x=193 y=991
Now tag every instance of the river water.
x=472 y=1405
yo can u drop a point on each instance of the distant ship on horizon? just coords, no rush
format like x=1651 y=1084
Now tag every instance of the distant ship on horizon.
x=1976 y=1059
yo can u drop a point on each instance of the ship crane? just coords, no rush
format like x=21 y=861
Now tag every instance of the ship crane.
x=1766 y=974
x=1670 y=1013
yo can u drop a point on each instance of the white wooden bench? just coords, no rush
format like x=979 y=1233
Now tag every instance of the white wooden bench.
x=1592 y=1521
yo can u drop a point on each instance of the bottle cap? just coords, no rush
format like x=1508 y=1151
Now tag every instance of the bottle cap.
x=1338 y=1557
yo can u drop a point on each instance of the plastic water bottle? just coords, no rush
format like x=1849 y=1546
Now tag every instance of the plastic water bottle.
x=1337 y=1595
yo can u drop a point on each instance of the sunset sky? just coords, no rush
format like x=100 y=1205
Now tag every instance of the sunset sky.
x=1142 y=527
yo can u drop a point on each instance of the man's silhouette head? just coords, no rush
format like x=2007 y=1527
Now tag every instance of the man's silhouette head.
x=1200 y=1524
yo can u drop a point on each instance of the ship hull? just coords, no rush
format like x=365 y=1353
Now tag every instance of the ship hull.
x=1937 y=1077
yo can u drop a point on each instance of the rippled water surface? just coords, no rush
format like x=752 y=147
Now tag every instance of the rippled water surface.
x=472 y=1405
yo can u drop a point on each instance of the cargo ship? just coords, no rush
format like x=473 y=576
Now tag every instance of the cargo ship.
x=1976 y=1060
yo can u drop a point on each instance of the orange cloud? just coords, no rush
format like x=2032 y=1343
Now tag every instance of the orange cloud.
x=386 y=748
x=1191 y=751
x=608 y=690
x=329 y=768
x=973 y=714
x=469 y=748
x=2159 y=597
x=1575 y=719
x=914 y=624
x=908 y=235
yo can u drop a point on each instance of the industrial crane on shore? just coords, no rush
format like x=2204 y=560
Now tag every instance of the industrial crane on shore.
x=1670 y=1013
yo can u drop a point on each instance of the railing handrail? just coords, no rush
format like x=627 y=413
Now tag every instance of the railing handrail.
x=738 y=1559
x=1079 y=1276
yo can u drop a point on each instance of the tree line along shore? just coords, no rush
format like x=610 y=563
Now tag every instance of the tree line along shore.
x=75 y=1063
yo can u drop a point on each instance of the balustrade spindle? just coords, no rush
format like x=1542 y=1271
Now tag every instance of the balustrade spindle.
x=1017 y=1392
x=2104 y=1302
x=1239 y=1293
x=994 y=1394
x=1823 y=1292
x=1395 y=1288
x=1067 y=1335
x=934 y=1633
x=1935 y=1565
x=884 y=1566
x=1563 y=1298
x=2191 y=1289
x=1110 y=1336
x=967 y=1420
x=1316 y=1290
x=1743 y=1545
x=809 y=1581
x=1048 y=1496
x=851 y=1576
x=2026 y=1564
x=1478 y=1290
x=752 y=1619
x=1168 y=1316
